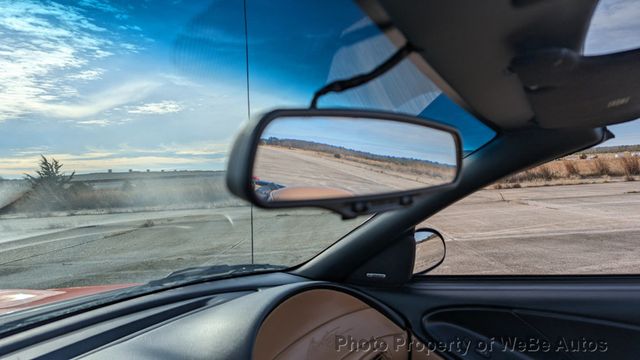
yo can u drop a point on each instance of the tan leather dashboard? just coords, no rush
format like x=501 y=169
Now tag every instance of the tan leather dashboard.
x=329 y=324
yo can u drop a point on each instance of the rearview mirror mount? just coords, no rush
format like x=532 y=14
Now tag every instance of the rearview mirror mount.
x=350 y=161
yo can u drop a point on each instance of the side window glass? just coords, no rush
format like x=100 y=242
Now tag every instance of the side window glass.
x=574 y=215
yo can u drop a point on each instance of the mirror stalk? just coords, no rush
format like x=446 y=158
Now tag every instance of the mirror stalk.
x=358 y=80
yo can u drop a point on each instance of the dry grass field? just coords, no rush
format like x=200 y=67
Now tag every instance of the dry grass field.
x=577 y=169
x=416 y=170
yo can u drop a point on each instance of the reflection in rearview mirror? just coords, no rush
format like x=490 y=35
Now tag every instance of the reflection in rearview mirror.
x=310 y=158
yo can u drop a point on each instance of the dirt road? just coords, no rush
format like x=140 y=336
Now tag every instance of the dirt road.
x=304 y=168
x=588 y=229
x=137 y=250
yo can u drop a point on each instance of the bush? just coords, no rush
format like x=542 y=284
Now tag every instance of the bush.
x=544 y=173
x=538 y=173
x=602 y=167
x=516 y=178
x=630 y=165
x=571 y=168
x=80 y=187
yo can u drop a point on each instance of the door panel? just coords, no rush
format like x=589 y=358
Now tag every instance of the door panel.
x=581 y=317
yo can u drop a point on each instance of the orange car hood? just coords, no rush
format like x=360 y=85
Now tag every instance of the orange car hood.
x=19 y=299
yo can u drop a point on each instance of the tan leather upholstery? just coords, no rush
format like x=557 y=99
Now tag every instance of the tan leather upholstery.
x=317 y=324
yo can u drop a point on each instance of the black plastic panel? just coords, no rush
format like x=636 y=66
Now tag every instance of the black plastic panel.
x=579 y=317
x=559 y=84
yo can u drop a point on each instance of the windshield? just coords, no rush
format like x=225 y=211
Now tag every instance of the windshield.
x=117 y=117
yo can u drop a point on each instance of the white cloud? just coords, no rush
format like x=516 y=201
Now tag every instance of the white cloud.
x=93 y=74
x=46 y=48
x=189 y=155
x=190 y=149
x=37 y=150
x=100 y=123
x=100 y=5
x=99 y=54
x=130 y=47
x=130 y=27
x=32 y=98
x=157 y=108
x=195 y=155
x=98 y=102
x=91 y=162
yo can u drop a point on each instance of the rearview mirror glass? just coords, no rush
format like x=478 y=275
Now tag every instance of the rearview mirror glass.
x=349 y=161
x=308 y=158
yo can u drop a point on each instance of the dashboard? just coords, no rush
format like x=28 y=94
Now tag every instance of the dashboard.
x=321 y=323
x=272 y=316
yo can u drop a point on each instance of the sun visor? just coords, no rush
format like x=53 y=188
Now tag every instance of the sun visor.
x=568 y=90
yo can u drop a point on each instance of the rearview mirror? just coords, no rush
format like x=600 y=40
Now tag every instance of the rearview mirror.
x=352 y=162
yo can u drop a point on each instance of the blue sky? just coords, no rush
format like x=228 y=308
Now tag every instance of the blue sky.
x=162 y=84
x=119 y=85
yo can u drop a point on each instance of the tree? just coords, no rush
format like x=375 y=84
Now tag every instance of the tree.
x=49 y=184
x=50 y=174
